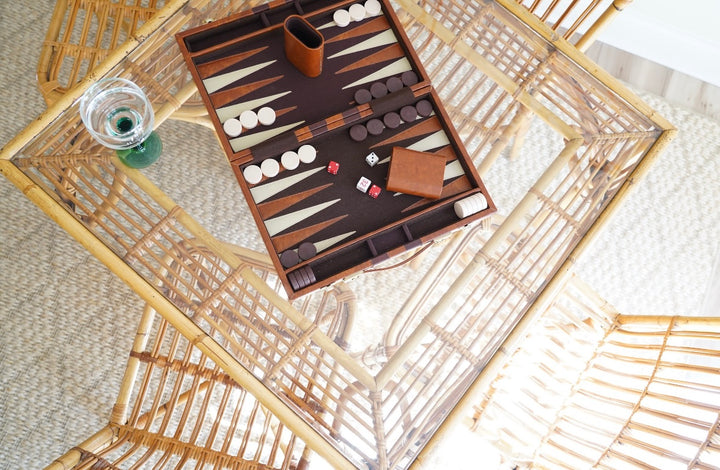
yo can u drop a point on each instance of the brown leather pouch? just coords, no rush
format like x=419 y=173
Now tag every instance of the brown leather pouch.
x=416 y=173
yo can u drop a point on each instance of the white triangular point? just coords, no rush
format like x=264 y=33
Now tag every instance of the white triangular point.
x=323 y=245
x=453 y=170
x=382 y=39
x=234 y=110
x=433 y=141
x=278 y=224
x=396 y=68
x=213 y=84
x=247 y=141
x=268 y=190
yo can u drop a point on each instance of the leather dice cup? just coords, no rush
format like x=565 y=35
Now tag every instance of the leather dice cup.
x=304 y=45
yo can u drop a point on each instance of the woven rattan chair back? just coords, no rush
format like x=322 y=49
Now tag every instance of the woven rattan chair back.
x=178 y=409
x=591 y=388
x=81 y=34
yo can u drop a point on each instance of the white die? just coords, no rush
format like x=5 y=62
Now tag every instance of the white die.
x=363 y=184
x=372 y=159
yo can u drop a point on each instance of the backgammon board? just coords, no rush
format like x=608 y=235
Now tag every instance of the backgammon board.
x=313 y=153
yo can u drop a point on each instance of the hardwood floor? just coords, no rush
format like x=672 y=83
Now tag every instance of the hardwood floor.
x=676 y=87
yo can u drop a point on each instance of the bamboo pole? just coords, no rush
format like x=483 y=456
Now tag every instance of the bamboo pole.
x=71 y=458
x=663 y=320
x=600 y=24
x=182 y=323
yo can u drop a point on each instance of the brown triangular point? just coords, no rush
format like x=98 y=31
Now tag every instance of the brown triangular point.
x=222 y=98
x=456 y=187
x=448 y=152
x=269 y=209
x=378 y=24
x=391 y=52
x=218 y=65
x=427 y=126
x=283 y=242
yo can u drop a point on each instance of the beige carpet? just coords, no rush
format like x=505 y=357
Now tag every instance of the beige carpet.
x=60 y=366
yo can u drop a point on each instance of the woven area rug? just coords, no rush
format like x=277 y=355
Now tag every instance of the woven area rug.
x=67 y=323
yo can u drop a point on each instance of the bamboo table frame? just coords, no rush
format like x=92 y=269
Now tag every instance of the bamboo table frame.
x=487 y=59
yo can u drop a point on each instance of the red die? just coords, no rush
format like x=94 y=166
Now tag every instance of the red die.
x=374 y=191
x=333 y=167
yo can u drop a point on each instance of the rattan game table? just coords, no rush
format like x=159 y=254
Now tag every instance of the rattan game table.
x=359 y=404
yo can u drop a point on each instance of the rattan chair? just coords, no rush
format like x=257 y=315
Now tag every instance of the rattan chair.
x=589 y=387
x=178 y=409
x=80 y=36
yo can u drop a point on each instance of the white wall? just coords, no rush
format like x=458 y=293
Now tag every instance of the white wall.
x=680 y=34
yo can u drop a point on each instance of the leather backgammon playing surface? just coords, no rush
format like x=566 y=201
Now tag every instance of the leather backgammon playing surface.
x=372 y=96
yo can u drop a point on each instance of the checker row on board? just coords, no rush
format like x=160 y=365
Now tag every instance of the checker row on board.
x=249 y=119
x=356 y=12
x=270 y=167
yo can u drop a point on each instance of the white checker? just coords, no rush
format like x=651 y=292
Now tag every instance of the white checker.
x=307 y=153
x=249 y=119
x=253 y=174
x=266 y=116
x=341 y=17
x=363 y=184
x=373 y=7
x=357 y=12
x=270 y=167
x=232 y=127
x=290 y=160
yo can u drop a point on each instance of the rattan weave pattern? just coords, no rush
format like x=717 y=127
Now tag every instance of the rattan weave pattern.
x=453 y=324
x=590 y=387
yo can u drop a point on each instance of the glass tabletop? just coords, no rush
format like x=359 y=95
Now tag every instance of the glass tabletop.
x=366 y=370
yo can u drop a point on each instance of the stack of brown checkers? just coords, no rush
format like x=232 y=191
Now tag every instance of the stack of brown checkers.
x=301 y=277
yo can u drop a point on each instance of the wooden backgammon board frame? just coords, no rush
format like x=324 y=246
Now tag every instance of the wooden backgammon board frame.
x=317 y=226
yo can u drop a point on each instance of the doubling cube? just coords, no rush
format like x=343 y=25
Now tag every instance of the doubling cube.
x=374 y=191
x=372 y=159
x=333 y=167
x=363 y=184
